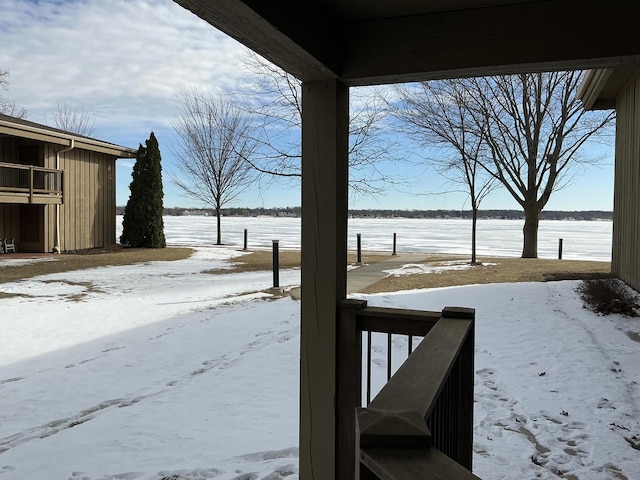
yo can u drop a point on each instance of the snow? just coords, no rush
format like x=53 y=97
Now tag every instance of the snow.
x=161 y=370
x=582 y=240
x=432 y=267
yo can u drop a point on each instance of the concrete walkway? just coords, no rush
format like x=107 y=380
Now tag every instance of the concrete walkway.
x=362 y=276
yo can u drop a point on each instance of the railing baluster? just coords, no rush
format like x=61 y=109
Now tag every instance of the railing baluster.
x=369 y=367
x=31 y=184
x=388 y=356
x=349 y=386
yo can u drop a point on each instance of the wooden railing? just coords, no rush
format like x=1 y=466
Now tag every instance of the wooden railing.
x=420 y=423
x=30 y=183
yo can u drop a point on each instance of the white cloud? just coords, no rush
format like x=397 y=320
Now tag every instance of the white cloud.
x=122 y=61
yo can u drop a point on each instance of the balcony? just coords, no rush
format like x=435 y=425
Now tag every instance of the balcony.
x=30 y=184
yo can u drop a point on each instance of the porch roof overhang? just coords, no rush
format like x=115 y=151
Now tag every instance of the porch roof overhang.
x=600 y=87
x=366 y=43
x=30 y=130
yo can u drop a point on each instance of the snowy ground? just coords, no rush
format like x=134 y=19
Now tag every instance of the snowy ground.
x=160 y=371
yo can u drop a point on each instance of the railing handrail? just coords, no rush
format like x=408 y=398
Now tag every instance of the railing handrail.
x=415 y=386
x=388 y=320
x=56 y=191
x=19 y=166
x=433 y=388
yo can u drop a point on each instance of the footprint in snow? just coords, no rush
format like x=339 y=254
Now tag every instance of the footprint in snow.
x=11 y=380
x=195 y=474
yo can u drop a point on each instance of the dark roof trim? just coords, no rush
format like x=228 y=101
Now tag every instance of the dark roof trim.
x=19 y=127
x=601 y=87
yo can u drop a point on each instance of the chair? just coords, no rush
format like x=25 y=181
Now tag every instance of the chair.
x=10 y=246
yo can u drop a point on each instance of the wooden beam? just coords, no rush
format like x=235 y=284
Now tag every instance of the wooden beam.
x=349 y=389
x=42 y=136
x=413 y=464
x=505 y=38
x=275 y=31
x=537 y=36
x=593 y=83
x=600 y=88
x=325 y=119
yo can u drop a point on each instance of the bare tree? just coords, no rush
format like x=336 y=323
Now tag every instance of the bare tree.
x=216 y=143
x=436 y=113
x=275 y=97
x=6 y=106
x=72 y=119
x=536 y=130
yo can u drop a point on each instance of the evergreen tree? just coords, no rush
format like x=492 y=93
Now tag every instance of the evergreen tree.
x=142 y=225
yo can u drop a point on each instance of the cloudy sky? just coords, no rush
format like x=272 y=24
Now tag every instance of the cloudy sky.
x=124 y=62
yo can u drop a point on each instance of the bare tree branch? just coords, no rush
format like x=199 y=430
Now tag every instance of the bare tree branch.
x=6 y=106
x=526 y=131
x=536 y=129
x=436 y=113
x=275 y=98
x=216 y=141
x=72 y=119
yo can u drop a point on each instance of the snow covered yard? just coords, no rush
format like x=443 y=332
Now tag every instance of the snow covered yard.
x=160 y=371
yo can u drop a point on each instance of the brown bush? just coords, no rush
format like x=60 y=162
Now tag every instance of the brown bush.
x=608 y=295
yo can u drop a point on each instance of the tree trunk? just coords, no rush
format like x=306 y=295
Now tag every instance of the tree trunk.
x=219 y=227
x=474 y=222
x=530 y=232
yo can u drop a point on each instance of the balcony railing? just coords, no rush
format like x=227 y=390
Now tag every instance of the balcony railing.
x=30 y=184
x=420 y=423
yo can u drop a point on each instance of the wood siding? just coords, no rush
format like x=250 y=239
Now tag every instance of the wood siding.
x=9 y=224
x=88 y=213
x=625 y=261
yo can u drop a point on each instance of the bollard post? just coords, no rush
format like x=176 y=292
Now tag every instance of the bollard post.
x=394 y=244
x=359 y=261
x=560 y=250
x=245 y=240
x=276 y=265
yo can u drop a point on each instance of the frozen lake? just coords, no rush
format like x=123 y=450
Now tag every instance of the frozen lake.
x=582 y=240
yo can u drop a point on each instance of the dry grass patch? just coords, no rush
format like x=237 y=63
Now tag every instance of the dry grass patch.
x=66 y=262
x=263 y=260
x=494 y=270
x=260 y=260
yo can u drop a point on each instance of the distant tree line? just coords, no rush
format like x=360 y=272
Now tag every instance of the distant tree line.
x=379 y=213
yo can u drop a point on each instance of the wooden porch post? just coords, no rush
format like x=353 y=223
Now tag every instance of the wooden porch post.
x=325 y=132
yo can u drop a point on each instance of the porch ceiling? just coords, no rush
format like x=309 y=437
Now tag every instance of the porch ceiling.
x=364 y=43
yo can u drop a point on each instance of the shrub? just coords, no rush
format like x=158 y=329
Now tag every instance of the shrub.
x=608 y=295
x=142 y=224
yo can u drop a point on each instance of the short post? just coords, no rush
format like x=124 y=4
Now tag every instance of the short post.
x=276 y=265
x=394 y=244
x=245 y=240
x=560 y=250
x=359 y=261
